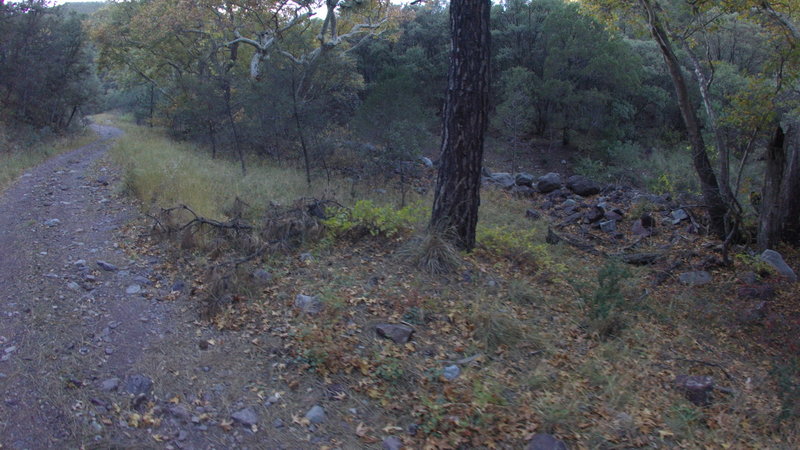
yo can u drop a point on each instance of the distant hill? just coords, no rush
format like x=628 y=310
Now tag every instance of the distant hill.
x=82 y=8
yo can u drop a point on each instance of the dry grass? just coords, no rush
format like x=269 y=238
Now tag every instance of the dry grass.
x=164 y=173
x=16 y=159
x=432 y=253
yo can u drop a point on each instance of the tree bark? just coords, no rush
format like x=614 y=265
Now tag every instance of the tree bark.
x=708 y=180
x=457 y=195
x=790 y=188
x=770 y=220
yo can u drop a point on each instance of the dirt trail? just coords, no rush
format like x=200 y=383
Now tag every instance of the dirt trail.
x=79 y=344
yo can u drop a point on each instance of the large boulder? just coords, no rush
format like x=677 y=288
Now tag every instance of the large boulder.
x=549 y=183
x=583 y=186
x=775 y=260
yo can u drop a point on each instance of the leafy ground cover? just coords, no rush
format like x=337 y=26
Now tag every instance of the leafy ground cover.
x=520 y=337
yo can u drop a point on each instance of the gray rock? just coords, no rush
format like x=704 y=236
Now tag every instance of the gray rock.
x=308 y=304
x=138 y=384
x=109 y=385
x=133 y=289
x=595 y=214
x=108 y=267
x=261 y=277
x=504 y=179
x=73 y=285
x=533 y=215
x=400 y=334
x=548 y=183
x=450 y=373
x=392 y=443
x=306 y=257
x=775 y=260
x=523 y=191
x=544 y=441
x=142 y=280
x=178 y=286
x=523 y=179
x=316 y=414
x=52 y=222
x=608 y=226
x=678 y=215
x=426 y=161
x=696 y=388
x=246 y=416
x=583 y=186
x=697 y=278
x=277 y=423
x=569 y=203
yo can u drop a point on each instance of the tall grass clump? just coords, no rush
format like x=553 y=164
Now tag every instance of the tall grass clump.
x=165 y=173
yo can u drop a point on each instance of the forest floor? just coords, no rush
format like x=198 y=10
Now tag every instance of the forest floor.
x=105 y=344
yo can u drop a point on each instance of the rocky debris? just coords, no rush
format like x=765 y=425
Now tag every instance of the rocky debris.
x=392 y=443
x=548 y=183
x=450 y=373
x=595 y=213
x=400 y=334
x=308 y=304
x=775 y=260
x=608 y=226
x=138 y=384
x=316 y=415
x=246 y=416
x=52 y=222
x=108 y=267
x=583 y=186
x=109 y=385
x=697 y=389
x=544 y=441
x=277 y=423
x=696 y=278
x=678 y=216
x=569 y=204
x=523 y=179
x=133 y=289
x=756 y=292
x=306 y=257
x=261 y=277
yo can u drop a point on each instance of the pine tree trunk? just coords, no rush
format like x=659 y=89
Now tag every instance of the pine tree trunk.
x=457 y=195
x=770 y=220
x=708 y=180
x=790 y=188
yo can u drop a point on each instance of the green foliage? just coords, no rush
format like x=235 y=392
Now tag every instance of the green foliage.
x=367 y=218
x=46 y=68
x=520 y=245
x=608 y=296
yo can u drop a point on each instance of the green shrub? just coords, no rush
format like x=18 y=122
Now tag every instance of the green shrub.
x=367 y=218
x=518 y=245
x=607 y=304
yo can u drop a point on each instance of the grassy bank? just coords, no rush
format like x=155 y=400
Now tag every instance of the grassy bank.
x=164 y=173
